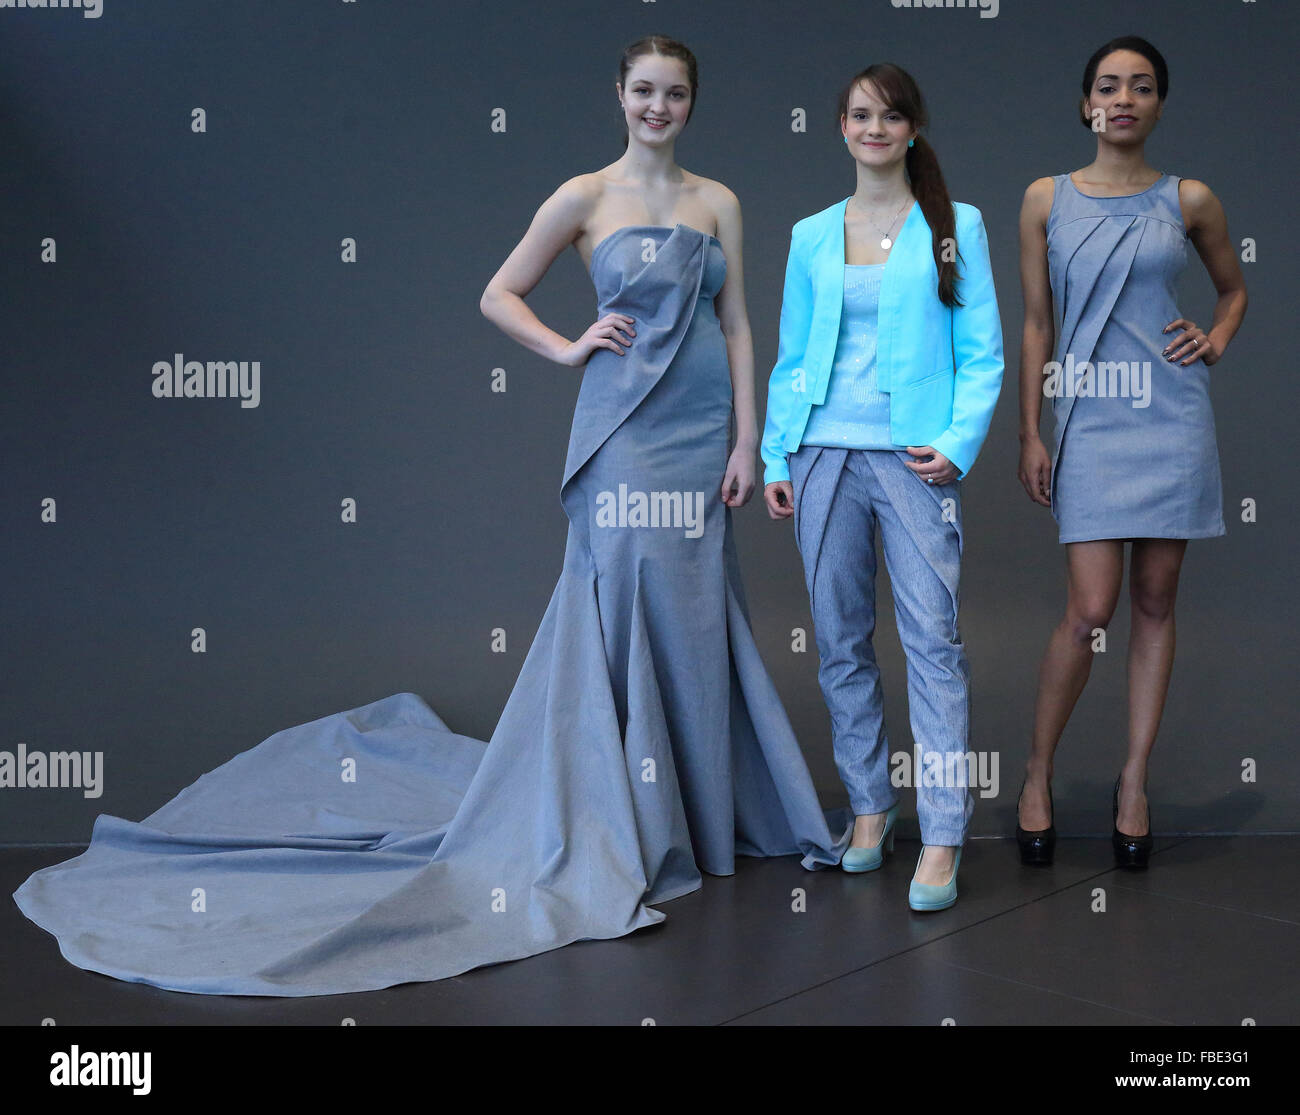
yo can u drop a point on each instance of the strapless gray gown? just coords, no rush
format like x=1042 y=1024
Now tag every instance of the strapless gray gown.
x=642 y=744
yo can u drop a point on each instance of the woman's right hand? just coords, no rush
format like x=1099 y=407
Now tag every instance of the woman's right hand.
x=1036 y=471
x=606 y=332
x=779 y=497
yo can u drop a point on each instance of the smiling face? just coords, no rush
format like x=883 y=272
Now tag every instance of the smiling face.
x=1124 y=91
x=877 y=134
x=656 y=98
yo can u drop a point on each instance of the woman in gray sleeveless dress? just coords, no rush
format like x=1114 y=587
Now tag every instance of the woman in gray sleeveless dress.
x=643 y=743
x=1135 y=458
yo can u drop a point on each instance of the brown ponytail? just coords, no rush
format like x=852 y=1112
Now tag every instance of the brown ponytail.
x=896 y=87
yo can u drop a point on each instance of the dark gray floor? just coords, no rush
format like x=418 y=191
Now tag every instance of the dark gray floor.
x=1209 y=935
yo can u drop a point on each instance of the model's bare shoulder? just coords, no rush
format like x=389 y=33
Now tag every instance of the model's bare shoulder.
x=1038 y=198
x=581 y=192
x=563 y=217
x=716 y=193
x=719 y=200
x=1194 y=190
x=1199 y=205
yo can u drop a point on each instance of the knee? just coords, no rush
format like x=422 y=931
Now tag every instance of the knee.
x=834 y=667
x=1085 y=617
x=937 y=646
x=845 y=659
x=1152 y=601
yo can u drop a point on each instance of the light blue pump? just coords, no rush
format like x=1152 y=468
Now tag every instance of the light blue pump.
x=868 y=859
x=926 y=896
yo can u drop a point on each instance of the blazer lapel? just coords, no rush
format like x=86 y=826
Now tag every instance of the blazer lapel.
x=828 y=298
x=911 y=238
x=828 y=294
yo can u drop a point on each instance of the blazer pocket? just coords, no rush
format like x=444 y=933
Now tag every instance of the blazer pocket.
x=922 y=409
x=911 y=384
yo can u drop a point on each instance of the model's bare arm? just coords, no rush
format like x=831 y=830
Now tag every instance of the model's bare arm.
x=555 y=226
x=1207 y=227
x=1037 y=338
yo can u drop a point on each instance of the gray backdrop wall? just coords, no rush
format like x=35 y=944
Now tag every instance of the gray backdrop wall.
x=373 y=121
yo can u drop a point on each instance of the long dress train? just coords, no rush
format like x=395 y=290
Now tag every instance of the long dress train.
x=642 y=743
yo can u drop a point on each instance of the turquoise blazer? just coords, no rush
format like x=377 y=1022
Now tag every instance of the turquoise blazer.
x=941 y=366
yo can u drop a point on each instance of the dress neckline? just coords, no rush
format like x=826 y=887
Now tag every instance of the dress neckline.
x=1115 y=197
x=670 y=228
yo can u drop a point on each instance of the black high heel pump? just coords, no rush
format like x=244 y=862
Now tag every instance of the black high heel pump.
x=1130 y=851
x=1037 y=846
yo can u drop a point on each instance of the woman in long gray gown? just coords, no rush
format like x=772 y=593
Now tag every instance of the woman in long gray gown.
x=643 y=742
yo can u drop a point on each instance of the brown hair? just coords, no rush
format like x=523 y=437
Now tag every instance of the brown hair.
x=668 y=48
x=896 y=87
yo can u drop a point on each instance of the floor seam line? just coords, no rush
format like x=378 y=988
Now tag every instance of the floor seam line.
x=941 y=937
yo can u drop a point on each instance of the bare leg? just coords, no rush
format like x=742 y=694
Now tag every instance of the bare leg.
x=1153 y=587
x=1095 y=571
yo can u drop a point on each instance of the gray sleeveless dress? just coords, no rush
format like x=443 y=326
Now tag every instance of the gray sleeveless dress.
x=642 y=744
x=1135 y=454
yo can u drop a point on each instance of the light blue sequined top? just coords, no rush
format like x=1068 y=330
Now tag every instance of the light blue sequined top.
x=855 y=414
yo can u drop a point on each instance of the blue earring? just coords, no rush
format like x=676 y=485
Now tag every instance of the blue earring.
x=911 y=143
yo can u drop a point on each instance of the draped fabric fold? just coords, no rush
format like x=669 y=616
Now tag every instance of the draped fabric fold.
x=643 y=742
x=1103 y=252
x=812 y=501
x=1135 y=453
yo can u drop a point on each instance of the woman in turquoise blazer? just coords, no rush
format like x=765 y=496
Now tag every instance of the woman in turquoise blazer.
x=888 y=370
x=941 y=365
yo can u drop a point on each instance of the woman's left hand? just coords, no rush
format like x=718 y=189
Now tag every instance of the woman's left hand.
x=938 y=470
x=738 y=483
x=1192 y=343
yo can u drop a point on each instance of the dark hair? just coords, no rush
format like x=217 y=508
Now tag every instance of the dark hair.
x=896 y=87
x=668 y=48
x=1124 y=42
